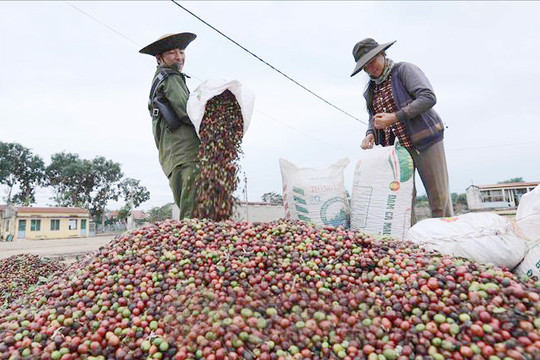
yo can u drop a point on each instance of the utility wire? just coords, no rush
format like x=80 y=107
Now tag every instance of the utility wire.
x=274 y=119
x=298 y=131
x=283 y=124
x=114 y=30
x=266 y=63
x=496 y=146
x=191 y=75
x=102 y=23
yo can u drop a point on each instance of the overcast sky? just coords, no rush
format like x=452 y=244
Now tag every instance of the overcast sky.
x=75 y=82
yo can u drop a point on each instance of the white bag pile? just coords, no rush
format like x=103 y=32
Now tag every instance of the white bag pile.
x=315 y=195
x=528 y=220
x=382 y=192
x=381 y=205
x=484 y=237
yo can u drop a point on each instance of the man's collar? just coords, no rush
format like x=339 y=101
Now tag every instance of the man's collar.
x=174 y=68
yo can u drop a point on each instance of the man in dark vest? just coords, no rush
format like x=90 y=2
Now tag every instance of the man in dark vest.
x=174 y=133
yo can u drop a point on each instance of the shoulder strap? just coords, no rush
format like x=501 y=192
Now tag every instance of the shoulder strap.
x=161 y=76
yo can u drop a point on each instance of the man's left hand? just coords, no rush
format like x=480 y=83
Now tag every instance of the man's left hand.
x=383 y=120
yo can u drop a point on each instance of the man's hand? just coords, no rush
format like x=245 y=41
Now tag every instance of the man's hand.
x=368 y=142
x=383 y=120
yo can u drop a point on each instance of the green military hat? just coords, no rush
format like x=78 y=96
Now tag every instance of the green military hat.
x=168 y=42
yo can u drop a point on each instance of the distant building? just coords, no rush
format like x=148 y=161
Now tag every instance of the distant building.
x=497 y=196
x=7 y=222
x=253 y=212
x=138 y=216
x=22 y=222
x=250 y=212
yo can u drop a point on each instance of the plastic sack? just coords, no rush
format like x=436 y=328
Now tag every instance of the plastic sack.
x=530 y=266
x=382 y=191
x=484 y=237
x=528 y=214
x=315 y=195
x=208 y=89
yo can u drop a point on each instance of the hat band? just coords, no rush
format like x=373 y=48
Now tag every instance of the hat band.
x=363 y=51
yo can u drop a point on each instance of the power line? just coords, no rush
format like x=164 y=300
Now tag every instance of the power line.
x=298 y=131
x=138 y=45
x=114 y=30
x=102 y=23
x=193 y=76
x=496 y=146
x=266 y=63
x=281 y=123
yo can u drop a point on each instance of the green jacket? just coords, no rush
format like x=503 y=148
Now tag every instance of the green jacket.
x=179 y=146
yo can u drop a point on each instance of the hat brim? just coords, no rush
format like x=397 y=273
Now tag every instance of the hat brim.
x=175 y=41
x=370 y=55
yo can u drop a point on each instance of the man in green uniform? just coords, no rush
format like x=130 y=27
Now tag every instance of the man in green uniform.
x=175 y=136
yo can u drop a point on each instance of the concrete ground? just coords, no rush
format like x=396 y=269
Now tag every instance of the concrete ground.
x=64 y=249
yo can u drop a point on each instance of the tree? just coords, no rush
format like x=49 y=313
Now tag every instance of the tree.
x=272 y=198
x=21 y=169
x=459 y=199
x=133 y=193
x=160 y=213
x=123 y=213
x=107 y=174
x=84 y=183
x=71 y=179
x=421 y=200
x=519 y=179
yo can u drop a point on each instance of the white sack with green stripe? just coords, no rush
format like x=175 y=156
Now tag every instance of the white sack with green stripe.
x=382 y=192
x=317 y=196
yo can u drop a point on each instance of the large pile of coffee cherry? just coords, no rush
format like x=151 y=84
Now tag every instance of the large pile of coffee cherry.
x=221 y=132
x=197 y=289
x=21 y=273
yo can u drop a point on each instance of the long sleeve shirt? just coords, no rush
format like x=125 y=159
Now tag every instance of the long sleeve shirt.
x=181 y=145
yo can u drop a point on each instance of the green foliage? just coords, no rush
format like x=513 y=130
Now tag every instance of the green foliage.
x=84 y=183
x=71 y=178
x=422 y=199
x=272 y=198
x=107 y=175
x=456 y=199
x=518 y=179
x=160 y=213
x=133 y=193
x=88 y=184
x=459 y=198
x=21 y=169
x=123 y=213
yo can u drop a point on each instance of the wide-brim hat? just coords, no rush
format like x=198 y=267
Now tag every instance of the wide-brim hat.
x=168 y=42
x=366 y=50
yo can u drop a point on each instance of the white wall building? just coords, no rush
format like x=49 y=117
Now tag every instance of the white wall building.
x=497 y=196
x=251 y=212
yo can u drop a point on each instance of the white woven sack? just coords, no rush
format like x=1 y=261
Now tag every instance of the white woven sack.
x=530 y=266
x=528 y=214
x=484 y=237
x=382 y=192
x=197 y=100
x=315 y=195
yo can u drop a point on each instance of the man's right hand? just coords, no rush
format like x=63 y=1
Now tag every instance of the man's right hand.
x=368 y=142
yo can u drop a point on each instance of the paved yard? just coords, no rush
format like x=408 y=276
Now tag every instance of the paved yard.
x=53 y=247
